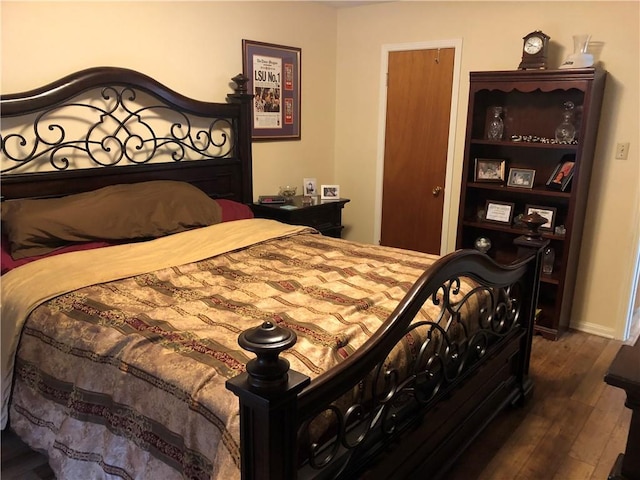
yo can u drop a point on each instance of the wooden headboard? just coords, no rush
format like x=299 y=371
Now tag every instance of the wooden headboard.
x=129 y=125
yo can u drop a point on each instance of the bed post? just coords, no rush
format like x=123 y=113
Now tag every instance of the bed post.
x=268 y=393
x=243 y=131
x=530 y=243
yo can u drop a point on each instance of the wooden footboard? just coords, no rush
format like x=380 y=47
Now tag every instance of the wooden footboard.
x=375 y=416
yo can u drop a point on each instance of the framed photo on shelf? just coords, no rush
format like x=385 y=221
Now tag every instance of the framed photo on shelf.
x=309 y=187
x=489 y=170
x=329 y=192
x=274 y=80
x=499 y=212
x=549 y=213
x=521 y=178
x=562 y=174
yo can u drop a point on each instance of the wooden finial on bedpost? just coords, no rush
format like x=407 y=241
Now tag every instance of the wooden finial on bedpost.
x=241 y=84
x=268 y=394
x=267 y=341
x=533 y=222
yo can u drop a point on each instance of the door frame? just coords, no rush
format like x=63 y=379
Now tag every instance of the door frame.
x=633 y=299
x=456 y=44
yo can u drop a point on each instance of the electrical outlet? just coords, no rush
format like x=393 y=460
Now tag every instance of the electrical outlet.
x=622 y=151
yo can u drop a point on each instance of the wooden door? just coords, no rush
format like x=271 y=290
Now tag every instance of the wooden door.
x=416 y=142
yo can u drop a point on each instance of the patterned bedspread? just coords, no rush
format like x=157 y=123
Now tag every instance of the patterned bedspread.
x=125 y=379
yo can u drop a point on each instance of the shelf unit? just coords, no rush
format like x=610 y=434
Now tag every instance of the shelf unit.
x=532 y=103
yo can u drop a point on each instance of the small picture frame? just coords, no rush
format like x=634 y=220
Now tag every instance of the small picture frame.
x=562 y=174
x=329 y=192
x=547 y=212
x=521 y=178
x=489 y=170
x=499 y=212
x=309 y=187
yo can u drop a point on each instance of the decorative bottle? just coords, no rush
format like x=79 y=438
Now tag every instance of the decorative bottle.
x=482 y=244
x=566 y=131
x=548 y=258
x=496 y=126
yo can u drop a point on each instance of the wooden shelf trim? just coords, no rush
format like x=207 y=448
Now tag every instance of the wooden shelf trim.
x=508 y=143
x=509 y=229
x=526 y=191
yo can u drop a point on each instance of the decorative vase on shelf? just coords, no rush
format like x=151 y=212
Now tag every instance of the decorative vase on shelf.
x=548 y=259
x=482 y=244
x=566 y=131
x=496 y=126
x=579 y=58
x=288 y=191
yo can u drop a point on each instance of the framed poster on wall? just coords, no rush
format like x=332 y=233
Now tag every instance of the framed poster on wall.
x=274 y=80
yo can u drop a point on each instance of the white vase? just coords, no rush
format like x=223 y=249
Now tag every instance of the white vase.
x=579 y=58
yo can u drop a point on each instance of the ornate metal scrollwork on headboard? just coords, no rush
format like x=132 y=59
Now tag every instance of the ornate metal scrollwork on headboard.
x=114 y=126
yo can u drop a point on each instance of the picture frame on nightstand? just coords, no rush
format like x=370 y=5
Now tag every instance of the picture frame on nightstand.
x=309 y=187
x=329 y=192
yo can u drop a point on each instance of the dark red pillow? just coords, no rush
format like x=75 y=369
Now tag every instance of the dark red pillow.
x=232 y=210
x=7 y=263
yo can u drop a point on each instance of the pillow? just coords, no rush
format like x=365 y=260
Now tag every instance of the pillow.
x=232 y=210
x=7 y=263
x=118 y=212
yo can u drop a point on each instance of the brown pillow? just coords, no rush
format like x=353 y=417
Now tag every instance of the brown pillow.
x=118 y=212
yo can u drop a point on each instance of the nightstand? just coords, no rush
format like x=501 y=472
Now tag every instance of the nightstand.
x=323 y=215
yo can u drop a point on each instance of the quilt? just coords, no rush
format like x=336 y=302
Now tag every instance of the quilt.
x=124 y=377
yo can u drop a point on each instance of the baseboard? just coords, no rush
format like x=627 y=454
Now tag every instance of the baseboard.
x=595 y=329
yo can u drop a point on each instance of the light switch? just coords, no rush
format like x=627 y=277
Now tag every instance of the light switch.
x=622 y=151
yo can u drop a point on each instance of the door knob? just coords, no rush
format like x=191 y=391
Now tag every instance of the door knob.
x=436 y=191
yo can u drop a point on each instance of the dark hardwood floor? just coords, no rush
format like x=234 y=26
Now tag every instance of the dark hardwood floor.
x=573 y=428
x=19 y=462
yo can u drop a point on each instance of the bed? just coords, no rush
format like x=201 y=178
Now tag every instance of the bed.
x=210 y=344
